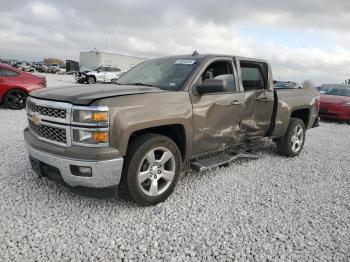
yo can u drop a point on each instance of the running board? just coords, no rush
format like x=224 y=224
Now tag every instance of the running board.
x=213 y=162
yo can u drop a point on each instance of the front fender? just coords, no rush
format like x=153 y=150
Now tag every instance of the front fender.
x=132 y=113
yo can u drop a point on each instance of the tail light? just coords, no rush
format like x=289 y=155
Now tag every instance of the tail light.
x=318 y=102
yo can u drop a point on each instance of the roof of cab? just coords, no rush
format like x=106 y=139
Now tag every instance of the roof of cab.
x=201 y=57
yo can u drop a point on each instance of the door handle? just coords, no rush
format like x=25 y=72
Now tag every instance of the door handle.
x=264 y=99
x=235 y=102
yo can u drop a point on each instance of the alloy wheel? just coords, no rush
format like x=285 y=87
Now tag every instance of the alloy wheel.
x=297 y=138
x=156 y=171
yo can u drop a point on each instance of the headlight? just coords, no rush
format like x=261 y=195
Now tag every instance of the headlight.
x=91 y=137
x=90 y=126
x=91 y=116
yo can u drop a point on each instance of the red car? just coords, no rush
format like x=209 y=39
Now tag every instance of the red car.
x=15 y=86
x=335 y=102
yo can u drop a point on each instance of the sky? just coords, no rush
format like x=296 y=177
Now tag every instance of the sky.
x=301 y=39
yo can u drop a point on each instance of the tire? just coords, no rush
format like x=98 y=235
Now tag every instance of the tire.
x=91 y=80
x=348 y=122
x=15 y=99
x=159 y=180
x=292 y=143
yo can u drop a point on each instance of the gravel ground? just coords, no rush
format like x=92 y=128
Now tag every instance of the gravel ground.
x=273 y=208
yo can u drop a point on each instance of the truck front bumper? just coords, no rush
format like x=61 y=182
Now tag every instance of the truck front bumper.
x=76 y=172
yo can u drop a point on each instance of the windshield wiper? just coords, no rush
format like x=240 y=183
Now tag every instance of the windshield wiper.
x=143 y=84
x=139 y=84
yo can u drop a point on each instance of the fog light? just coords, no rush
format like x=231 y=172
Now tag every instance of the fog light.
x=81 y=171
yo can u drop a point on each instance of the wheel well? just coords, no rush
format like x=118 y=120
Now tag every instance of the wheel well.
x=302 y=114
x=91 y=76
x=174 y=132
x=11 y=89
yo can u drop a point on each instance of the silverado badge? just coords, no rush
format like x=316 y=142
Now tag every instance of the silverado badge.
x=36 y=119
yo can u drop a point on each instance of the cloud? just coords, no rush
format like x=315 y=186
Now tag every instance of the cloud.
x=302 y=39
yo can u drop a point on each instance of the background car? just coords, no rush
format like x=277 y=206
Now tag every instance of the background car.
x=285 y=85
x=53 y=68
x=15 y=86
x=335 y=102
x=101 y=74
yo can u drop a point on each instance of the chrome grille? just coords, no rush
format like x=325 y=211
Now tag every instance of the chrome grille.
x=48 y=132
x=47 y=111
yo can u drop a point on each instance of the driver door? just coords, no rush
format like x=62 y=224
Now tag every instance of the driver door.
x=216 y=116
x=100 y=76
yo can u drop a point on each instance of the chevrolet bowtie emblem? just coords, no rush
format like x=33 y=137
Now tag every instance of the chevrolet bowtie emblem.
x=36 y=119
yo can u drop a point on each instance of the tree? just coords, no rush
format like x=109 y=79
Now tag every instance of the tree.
x=51 y=60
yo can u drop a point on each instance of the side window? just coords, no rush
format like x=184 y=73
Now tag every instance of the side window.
x=252 y=77
x=221 y=70
x=6 y=72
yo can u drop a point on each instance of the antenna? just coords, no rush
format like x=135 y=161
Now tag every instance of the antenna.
x=195 y=53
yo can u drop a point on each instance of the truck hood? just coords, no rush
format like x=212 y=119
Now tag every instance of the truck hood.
x=86 y=94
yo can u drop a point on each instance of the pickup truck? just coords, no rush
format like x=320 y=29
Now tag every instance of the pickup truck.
x=137 y=134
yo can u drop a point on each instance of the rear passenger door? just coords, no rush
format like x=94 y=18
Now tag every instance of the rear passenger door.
x=258 y=98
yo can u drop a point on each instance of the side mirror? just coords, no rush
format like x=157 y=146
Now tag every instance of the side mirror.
x=211 y=86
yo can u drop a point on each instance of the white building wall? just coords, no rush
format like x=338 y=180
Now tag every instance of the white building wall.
x=92 y=60
x=89 y=60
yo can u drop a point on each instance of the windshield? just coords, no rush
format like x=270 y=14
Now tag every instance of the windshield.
x=169 y=74
x=334 y=91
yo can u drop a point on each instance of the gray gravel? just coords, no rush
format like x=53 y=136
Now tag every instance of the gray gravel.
x=272 y=208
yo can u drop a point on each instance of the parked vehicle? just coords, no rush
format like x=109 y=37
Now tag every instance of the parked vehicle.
x=40 y=67
x=286 y=85
x=101 y=74
x=15 y=86
x=161 y=114
x=53 y=68
x=335 y=102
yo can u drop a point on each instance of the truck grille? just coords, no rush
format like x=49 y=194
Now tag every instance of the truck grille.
x=47 y=111
x=48 y=132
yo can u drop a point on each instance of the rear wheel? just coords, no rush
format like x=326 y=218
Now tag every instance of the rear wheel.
x=292 y=143
x=15 y=99
x=151 y=169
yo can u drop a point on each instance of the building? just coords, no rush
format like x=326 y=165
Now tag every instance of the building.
x=91 y=60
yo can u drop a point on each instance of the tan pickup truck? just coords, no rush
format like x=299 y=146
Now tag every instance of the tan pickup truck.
x=163 y=113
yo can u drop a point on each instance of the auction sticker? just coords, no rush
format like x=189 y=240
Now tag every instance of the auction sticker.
x=185 y=62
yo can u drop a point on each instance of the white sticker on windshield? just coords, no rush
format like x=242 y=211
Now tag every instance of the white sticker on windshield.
x=185 y=62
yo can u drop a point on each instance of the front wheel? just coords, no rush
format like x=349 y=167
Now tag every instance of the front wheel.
x=15 y=99
x=152 y=168
x=91 y=80
x=292 y=143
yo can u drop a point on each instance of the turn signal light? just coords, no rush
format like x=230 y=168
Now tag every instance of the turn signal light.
x=100 y=137
x=99 y=116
